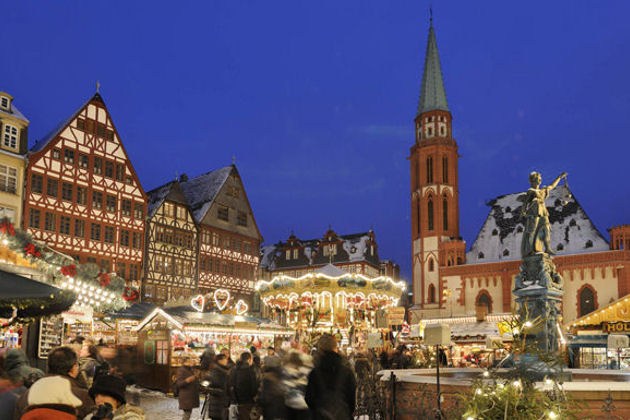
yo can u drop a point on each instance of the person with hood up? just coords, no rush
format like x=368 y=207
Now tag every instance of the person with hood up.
x=331 y=388
x=51 y=398
x=62 y=362
x=243 y=386
x=272 y=390
x=297 y=366
x=108 y=392
x=21 y=376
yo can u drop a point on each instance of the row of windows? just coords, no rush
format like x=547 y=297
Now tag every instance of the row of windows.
x=128 y=271
x=174 y=211
x=171 y=236
x=78 y=194
x=100 y=166
x=76 y=227
x=430 y=214
x=429 y=167
x=8 y=179
x=172 y=265
x=223 y=213
x=93 y=127
x=227 y=242
x=227 y=268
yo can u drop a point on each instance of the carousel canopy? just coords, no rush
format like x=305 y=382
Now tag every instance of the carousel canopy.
x=31 y=298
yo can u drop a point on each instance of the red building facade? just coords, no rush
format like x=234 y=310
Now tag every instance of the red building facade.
x=82 y=195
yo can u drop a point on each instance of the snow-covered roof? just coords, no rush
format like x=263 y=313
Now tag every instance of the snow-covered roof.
x=203 y=189
x=331 y=270
x=354 y=248
x=157 y=197
x=14 y=112
x=572 y=231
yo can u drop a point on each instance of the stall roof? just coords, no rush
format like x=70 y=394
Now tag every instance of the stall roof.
x=136 y=311
x=31 y=297
x=183 y=317
x=468 y=329
x=616 y=311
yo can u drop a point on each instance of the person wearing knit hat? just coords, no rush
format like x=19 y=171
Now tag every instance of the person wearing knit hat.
x=108 y=392
x=51 y=398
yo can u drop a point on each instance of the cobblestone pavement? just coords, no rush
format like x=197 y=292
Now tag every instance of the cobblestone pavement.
x=156 y=405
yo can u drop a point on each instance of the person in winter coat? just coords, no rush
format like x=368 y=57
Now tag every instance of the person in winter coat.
x=217 y=388
x=294 y=378
x=51 y=398
x=230 y=362
x=110 y=389
x=21 y=376
x=62 y=362
x=331 y=388
x=243 y=386
x=89 y=364
x=272 y=390
x=207 y=359
x=187 y=385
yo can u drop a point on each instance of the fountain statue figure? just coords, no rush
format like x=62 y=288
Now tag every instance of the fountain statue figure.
x=539 y=287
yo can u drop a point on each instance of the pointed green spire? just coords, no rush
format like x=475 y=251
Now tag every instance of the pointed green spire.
x=432 y=92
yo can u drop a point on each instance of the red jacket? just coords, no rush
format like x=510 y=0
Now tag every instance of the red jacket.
x=50 y=412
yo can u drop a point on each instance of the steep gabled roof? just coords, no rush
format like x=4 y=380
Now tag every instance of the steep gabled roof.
x=41 y=143
x=572 y=232
x=157 y=197
x=203 y=189
x=432 y=92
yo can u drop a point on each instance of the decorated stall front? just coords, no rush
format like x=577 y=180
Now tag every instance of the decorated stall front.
x=167 y=334
x=329 y=299
x=590 y=343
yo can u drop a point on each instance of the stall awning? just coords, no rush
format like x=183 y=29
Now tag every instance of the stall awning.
x=467 y=329
x=617 y=311
x=31 y=298
x=136 y=311
x=588 y=341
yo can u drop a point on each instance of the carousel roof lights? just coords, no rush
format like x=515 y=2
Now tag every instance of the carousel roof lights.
x=401 y=284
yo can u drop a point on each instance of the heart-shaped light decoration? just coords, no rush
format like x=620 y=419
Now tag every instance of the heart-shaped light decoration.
x=198 y=303
x=241 y=307
x=221 y=298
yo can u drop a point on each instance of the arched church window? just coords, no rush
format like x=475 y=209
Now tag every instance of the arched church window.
x=586 y=301
x=429 y=170
x=418 y=204
x=431 y=293
x=430 y=214
x=445 y=214
x=431 y=264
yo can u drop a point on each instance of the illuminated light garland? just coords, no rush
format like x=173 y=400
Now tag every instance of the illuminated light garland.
x=87 y=295
x=217 y=302
x=401 y=284
x=241 y=307
x=194 y=302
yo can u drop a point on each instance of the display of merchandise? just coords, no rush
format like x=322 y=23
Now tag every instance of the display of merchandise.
x=9 y=339
x=50 y=335
x=78 y=329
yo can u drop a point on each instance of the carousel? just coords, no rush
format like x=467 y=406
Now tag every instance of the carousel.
x=329 y=298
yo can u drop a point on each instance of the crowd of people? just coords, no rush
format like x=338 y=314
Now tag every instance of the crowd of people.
x=285 y=386
x=78 y=385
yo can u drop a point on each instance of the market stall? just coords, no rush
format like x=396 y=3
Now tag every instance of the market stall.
x=167 y=334
x=329 y=299
x=588 y=342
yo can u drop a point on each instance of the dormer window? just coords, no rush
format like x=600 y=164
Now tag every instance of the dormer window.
x=10 y=137
x=295 y=254
x=288 y=254
x=4 y=103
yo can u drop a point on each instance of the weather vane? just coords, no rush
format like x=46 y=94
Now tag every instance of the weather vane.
x=98 y=86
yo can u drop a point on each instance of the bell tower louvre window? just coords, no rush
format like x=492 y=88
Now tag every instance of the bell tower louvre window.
x=445 y=214
x=445 y=169
x=429 y=170
x=430 y=214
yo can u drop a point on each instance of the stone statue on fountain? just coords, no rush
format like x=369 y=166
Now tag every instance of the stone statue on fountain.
x=539 y=287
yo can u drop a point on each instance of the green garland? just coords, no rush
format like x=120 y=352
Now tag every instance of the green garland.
x=28 y=309
x=59 y=268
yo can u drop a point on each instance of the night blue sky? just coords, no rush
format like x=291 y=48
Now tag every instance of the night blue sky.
x=316 y=99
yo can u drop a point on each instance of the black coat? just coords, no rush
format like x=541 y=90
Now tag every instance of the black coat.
x=330 y=376
x=272 y=395
x=188 y=392
x=219 y=401
x=243 y=383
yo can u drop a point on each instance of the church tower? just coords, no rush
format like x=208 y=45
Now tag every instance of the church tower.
x=434 y=187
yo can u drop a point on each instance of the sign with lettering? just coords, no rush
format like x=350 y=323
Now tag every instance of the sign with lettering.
x=395 y=315
x=616 y=327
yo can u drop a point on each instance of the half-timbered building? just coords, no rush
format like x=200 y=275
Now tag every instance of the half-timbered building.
x=83 y=196
x=229 y=237
x=171 y=251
